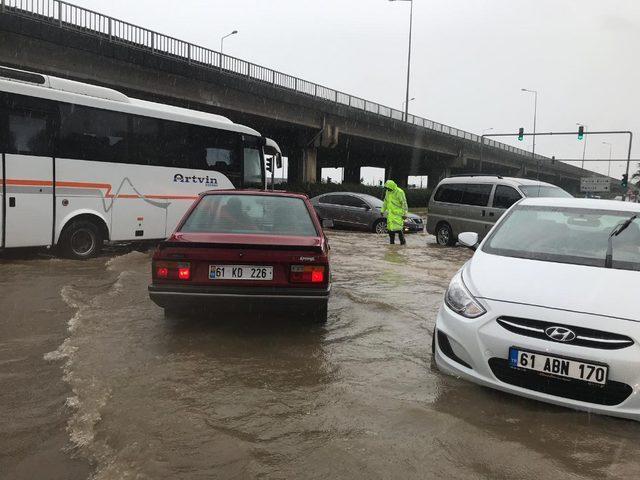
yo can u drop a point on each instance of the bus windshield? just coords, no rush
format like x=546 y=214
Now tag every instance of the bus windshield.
x=253 y=167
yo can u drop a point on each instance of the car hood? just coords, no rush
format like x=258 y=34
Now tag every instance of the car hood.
x=602 y=291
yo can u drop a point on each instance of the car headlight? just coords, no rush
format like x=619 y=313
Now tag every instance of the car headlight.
x=460 y=300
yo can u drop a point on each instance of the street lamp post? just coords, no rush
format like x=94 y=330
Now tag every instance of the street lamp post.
x=222 y=40
x=404 y=101
x=609 y=168
x=584 y=147
x=406 y=110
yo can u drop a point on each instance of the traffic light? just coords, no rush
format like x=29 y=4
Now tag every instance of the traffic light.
x=521 y=134
x=625 y=180
x=580 y=132
x=269 y=162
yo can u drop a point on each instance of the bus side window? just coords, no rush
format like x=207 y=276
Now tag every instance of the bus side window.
x=144 y=141
x=92 y=134
x=25 y=127
x=212 y=149
x=173 y=144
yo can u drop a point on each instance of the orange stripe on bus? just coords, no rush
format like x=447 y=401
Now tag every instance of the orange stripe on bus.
x=29 y=183
x=100 y=186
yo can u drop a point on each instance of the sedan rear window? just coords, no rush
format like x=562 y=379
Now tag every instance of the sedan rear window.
x=250 y=214
x=567 y=235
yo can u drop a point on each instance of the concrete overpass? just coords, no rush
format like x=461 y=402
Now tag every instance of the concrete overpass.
x=316 y=126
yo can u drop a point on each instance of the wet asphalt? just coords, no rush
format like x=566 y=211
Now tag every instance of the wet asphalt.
x=96 y=383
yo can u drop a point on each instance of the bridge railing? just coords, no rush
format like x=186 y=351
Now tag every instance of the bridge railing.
x=70 y=16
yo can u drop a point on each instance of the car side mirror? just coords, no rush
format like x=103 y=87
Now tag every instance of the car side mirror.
x=469 y=240
x=327 y=223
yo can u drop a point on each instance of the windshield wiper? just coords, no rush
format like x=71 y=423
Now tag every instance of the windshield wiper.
x=618 y=229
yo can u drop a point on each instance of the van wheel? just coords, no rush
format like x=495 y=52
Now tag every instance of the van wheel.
x=444 y=235
x=380 y=227
x=80 y=240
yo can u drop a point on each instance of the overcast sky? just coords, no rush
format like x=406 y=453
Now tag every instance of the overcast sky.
x=470 y=57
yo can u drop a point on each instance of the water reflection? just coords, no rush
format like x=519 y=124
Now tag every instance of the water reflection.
x=552 y=441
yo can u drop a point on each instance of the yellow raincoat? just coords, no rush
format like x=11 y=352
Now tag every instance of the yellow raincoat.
x=395 y=205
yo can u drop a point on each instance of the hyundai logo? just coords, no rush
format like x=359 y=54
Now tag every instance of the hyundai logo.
x=560 y=334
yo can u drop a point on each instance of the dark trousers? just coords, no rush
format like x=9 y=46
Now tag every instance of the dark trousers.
x=392 y=237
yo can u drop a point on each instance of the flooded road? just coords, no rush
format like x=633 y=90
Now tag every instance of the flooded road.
x=96 y=383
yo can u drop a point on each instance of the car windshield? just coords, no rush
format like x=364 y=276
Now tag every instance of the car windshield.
x=250 y=214
x=567 y=235
x=544 y=191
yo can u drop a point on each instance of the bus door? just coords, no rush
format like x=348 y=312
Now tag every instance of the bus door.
x=28 y=172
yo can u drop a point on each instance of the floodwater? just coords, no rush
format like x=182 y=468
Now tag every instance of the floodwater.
x=96 y=383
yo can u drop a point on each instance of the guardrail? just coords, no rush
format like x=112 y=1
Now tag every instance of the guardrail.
x=67 y=15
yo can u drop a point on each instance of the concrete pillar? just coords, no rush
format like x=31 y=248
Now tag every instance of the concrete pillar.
x=303 y=165
x=398 y=172
x=435 y=175
x=352 y=174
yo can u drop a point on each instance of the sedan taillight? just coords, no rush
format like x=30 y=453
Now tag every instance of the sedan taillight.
x=172 y=270
x=308 y=274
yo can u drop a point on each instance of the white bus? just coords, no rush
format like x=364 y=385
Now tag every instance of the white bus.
x=83 y=164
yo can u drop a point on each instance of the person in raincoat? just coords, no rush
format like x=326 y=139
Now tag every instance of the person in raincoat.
x=395 y=206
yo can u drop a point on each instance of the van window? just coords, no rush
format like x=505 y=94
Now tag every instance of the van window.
x=449 y=193
x=505 y=197
x=477 y=194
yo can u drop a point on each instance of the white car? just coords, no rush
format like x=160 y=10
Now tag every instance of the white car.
x=548 y=306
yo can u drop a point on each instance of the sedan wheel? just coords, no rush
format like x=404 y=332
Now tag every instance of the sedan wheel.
x=381 y=227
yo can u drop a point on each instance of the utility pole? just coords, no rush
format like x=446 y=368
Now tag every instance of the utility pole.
x=406 y=106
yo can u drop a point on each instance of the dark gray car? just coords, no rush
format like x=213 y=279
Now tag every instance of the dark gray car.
x=358 y=211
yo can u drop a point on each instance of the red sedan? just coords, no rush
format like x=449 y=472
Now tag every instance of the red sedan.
x=252 y=250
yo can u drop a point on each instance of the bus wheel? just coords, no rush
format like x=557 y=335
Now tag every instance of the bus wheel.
x=81 y=240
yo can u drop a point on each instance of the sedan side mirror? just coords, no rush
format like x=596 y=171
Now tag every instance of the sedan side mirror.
x=327 y=223
x=469 y=240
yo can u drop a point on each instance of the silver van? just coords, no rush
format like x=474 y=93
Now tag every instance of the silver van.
x=473 y=203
